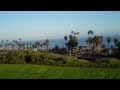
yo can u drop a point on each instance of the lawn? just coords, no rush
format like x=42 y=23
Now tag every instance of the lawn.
x=29 y=71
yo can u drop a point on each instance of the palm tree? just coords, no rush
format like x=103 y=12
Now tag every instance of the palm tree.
x=23 y=45
x=33 y=46
x=41 y=45
x=6 y=40
x=6 y=43
x=103 y=46
x=2 y=42
x=65 y=38
x=27 y=46
x=101 y=41
x=44 y=44
x=108 y=41
x=72 y=32
x=30 y=44
x=20 y=39
x=5 y=46
x=47 y=43
x=37 y=44
x=12 y=46
x=118 y=45
x=87 y=42
x=115 y=41
x=77 y=33
x=20 y=42
x=97 y=41
x=90 y=39
x=90 y=32
x=70 y=36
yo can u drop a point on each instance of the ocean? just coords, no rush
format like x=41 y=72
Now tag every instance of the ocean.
x=82 y=41
x=53 y=43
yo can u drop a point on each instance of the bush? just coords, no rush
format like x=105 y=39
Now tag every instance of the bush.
x=28 y=58
x=108 y=62
x=84 y=63
x=47 y=58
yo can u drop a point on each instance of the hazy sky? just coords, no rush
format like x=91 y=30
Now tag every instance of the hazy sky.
x=39 y=25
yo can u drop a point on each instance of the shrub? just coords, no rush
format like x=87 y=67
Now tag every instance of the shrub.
x=47 y=58
x=28 y=58
x=108 y=62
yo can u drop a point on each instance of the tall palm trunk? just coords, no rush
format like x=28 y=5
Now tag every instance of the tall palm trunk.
x=108 y=44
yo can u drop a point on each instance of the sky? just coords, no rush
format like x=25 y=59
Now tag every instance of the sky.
x=39 y=25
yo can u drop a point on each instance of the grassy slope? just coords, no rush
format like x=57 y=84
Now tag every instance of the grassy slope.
x=47 y=72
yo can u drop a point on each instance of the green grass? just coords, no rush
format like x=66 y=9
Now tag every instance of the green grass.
x=28 y=71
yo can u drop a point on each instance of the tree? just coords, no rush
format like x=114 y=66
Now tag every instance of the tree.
x=103 y=46
x=12 y=46
x=44 y=44
x=6 y=40
x=72 y=32
x=6 y=44
x=70 y=37
x=30 y=44
x=65 y=38
x=72 y=42
x=90 y=40
x=37 y=44
x=90 y=33
x=97 y=41
x=27 y=46
x=2 y=42
x=87 y=42
x=118 y=45
x=41 y=45
x=20 y=42
x=77 y=33
x=68 y=45
x=108 y=41
x=115 y=41
x=20 y=39
x=47 y=43
x=23 y=45
x=33 y=46
x=101 y=41
x=57 y=47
